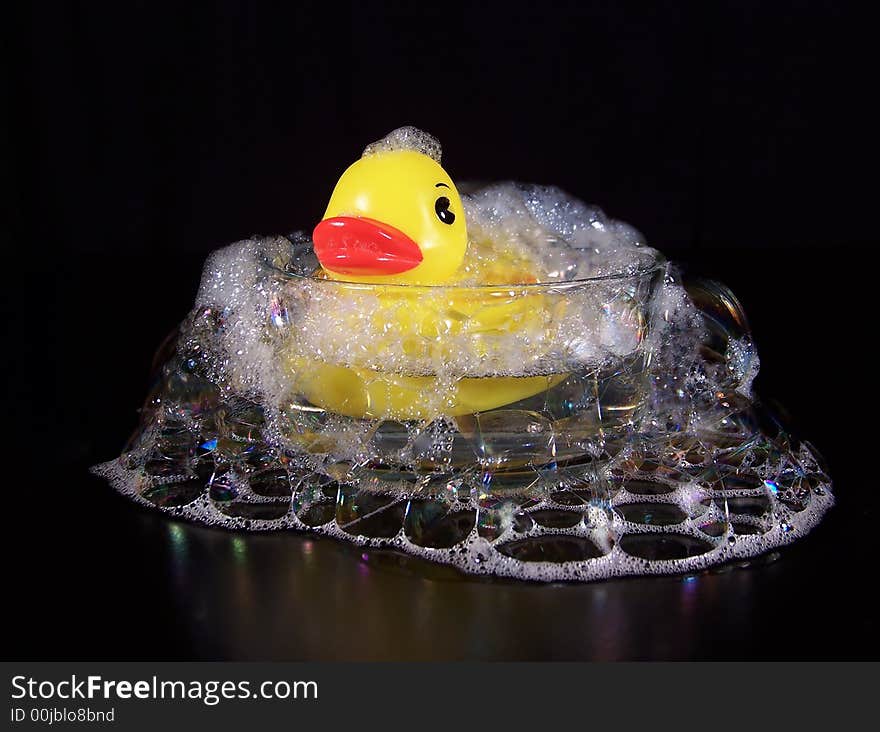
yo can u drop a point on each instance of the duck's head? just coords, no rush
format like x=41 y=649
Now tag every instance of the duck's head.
x=395 y=216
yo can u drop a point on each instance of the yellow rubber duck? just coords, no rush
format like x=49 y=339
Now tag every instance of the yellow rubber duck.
x=395 y=222
x=394 y=218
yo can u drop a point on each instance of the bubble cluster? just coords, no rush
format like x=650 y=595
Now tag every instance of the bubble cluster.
x=407 y=138
x=556 y=236
x=593 y=418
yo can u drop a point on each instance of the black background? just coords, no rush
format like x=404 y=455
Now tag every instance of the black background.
x=137 y=139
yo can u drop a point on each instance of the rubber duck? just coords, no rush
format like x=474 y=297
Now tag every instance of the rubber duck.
x=395 y=222
x=394 y=217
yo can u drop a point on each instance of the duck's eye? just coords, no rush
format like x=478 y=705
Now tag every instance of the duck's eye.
x=441 y=206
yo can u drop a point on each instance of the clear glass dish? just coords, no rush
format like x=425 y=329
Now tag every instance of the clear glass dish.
x=532 y=373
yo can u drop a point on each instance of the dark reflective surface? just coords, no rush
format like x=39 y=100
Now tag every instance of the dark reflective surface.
x=117 y=581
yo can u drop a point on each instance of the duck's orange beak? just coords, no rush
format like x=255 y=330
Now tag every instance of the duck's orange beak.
x=361 y=246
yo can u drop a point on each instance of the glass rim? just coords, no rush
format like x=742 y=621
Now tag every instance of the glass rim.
x=657 y=263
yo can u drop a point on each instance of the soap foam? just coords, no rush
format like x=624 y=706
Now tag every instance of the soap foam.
x=563 y=237
x=648 y=409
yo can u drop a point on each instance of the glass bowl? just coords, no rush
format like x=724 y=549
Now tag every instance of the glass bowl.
x=565 y=430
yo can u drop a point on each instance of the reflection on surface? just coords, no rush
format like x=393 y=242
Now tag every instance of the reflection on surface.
x=283 y=595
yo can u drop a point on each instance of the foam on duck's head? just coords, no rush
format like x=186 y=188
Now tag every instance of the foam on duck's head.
x=406 y=138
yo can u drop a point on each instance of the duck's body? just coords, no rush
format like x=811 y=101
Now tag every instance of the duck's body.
x=368 y=394
x=395 y=222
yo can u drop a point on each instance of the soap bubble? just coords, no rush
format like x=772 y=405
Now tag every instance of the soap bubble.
x=568 y=409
